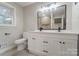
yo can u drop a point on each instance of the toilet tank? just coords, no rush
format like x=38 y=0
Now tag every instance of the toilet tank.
x=25 y=35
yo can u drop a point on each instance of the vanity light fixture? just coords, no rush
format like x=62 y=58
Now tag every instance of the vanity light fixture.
x=46 y=7
x=54 y=6
x=43 y=9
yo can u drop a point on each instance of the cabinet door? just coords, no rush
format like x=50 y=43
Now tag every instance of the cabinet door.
x=69 y=47
x=32 y=42
x=55 y=47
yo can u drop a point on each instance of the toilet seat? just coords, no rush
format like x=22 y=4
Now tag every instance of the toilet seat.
x=19 y=41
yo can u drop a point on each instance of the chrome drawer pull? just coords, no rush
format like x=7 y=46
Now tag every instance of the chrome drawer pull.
x=45 y=51
x=62 y=42
x=33 y=38
x=45 y=42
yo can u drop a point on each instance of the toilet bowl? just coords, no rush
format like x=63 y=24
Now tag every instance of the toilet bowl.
x=21 y=44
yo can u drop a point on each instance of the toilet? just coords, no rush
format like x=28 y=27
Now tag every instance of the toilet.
x=21 y=44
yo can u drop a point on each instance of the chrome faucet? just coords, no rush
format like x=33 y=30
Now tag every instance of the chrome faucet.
x=59 y=28
x=41 y=28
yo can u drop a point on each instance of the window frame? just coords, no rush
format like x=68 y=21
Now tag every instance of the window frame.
x=13 y=16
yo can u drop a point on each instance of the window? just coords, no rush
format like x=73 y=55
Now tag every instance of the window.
x=7 y=14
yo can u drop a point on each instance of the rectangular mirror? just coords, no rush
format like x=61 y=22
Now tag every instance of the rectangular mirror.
x=44 y=19
x=59 y=17
x=52 y=19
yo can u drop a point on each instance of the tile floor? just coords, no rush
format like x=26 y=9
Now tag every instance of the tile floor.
x=14 y=52
x=23 y=53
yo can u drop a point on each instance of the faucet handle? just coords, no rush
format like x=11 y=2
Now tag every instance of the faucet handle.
x=41 y=28
x=59 y=28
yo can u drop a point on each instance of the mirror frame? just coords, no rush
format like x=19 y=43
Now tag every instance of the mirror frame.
x=64 y=21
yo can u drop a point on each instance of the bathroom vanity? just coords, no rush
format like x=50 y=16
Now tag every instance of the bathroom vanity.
x=53 y=43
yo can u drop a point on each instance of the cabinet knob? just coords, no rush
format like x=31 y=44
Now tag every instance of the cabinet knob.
x=63 y=42
x=45 y=51
x=45 y=42
x=33 y=38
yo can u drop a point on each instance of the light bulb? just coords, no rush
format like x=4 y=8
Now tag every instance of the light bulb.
x=44 y=8
x=53 y=6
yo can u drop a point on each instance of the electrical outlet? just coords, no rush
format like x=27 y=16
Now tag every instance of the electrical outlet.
x=0 y=46
x=7 y=33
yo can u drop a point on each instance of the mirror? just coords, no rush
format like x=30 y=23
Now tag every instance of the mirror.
x=52 y=18
x=44 y=19
x=59 y=17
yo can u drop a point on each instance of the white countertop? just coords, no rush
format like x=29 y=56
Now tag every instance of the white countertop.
x=55 y=31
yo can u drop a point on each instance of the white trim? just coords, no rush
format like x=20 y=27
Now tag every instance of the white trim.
x=5 y=3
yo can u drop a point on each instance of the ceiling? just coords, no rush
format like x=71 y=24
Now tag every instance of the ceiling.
x=24 y=3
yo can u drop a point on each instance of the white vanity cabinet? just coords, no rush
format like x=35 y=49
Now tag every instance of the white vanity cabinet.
x=34 y=44
x=53 y=44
